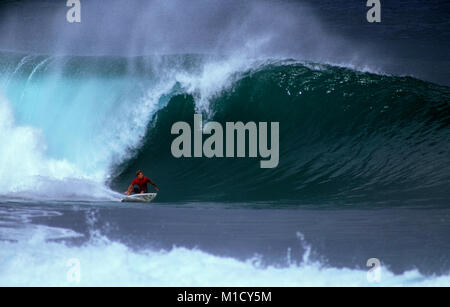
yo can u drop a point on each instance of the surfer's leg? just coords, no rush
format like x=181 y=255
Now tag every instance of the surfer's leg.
x=136 y=191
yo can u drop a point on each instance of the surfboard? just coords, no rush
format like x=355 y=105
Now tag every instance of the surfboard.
x=139 y=198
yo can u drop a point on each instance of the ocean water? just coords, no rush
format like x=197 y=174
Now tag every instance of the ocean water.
x=363 y=173
x=217 y=244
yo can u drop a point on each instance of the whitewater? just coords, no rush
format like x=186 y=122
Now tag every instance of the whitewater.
x=34 y=254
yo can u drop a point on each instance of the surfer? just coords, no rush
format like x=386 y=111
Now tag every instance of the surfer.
x=141 y=181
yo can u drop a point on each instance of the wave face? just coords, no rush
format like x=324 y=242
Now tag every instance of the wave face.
x=76 y=125
x=344 y=136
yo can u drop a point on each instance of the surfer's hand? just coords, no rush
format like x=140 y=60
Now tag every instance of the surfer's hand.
x=157 y=189
x=142 y=192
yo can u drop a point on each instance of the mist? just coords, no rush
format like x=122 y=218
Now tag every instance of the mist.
x=328 y=32
x=258 y=28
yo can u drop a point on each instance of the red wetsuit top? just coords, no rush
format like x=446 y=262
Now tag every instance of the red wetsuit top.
x=142 y=183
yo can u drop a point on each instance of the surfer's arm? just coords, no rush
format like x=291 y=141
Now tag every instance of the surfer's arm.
x=153 y=184
x=130 y=188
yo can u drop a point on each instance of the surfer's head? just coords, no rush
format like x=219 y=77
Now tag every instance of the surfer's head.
x=139 y=174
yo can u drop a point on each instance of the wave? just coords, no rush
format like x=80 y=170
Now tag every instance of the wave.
x=78 y=124
x=344 y=136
